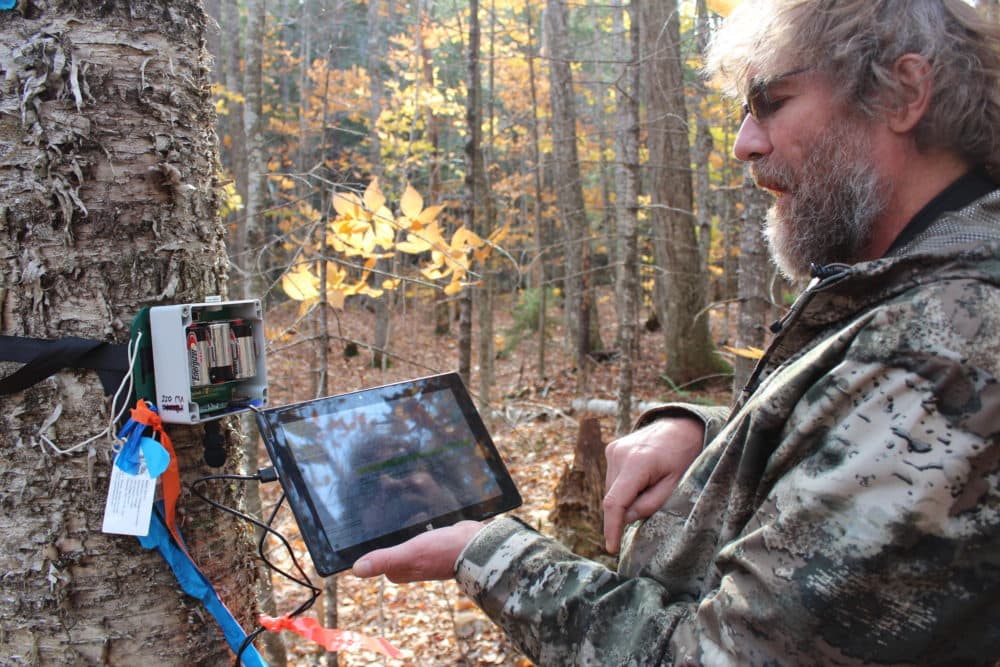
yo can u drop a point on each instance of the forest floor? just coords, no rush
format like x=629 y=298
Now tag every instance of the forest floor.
x=533 y=425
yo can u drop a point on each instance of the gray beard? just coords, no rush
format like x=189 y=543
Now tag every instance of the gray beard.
x=831 y=209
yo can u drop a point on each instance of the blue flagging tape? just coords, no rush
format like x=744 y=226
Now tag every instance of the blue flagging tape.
x=194 y=583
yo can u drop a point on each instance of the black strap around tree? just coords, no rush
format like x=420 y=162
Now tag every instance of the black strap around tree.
x=42 y=358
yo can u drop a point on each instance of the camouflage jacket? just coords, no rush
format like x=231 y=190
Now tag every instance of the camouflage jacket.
x=847 y=513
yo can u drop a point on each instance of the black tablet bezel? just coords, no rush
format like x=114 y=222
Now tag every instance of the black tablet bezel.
x=328 y=560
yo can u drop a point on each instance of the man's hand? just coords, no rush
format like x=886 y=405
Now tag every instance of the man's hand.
x=426 y=557
x=644 y=468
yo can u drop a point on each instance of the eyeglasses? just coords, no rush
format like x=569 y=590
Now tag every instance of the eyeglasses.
x=758 y=103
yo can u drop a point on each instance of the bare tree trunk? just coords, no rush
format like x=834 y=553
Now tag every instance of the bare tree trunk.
x=487 y=346
x=473 y=181
x=627 y=172
x=108 y=204
x=442 y=306
x=375 y=63
x=703 y=200
x=689 y=349
x=569 y=187
x=539 y=281
x=235 y=153
x=249 y=234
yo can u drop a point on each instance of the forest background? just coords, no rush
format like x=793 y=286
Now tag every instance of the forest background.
x=587 y=234
x=523 y=191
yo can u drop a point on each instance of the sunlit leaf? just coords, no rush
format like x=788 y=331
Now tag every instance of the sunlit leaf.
x=374 y=199
x=499 y=234
x=348 y=205
x=430 y=214
x=367 y=244
x=464 y=237
x=411 y=203
x=433 y=273
x=413 y=245
x=385 y=234
x=300 y=284
x=453 y=288
x=335 y=275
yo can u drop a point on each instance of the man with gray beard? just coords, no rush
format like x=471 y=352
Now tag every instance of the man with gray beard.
x=846 y=509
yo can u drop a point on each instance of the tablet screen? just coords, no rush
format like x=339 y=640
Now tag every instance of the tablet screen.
x=375 y=467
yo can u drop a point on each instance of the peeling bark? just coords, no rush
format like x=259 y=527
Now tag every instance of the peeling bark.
x=108 y=203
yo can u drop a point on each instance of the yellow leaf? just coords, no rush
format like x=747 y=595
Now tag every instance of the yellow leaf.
x=384 y=233
x=433 y=273
x=300 y=284
x=335 y=275
x=390 y=283
x=367 y=244
x=411 y=203
x=336 y=298
x=432 y=234
x=745 y=352
x=453 y=288
x=429 y=214
x=348 y=205
x=464 y=237
x=374 y=199
x=413 y=245
x=499 y=234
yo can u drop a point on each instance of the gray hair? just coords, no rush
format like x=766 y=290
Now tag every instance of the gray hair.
x=857 y=42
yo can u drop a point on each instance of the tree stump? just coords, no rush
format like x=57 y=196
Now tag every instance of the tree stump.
x=578 y=516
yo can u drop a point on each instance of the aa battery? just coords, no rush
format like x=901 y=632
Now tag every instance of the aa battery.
x=221 y=362
x=199 y=353
x=244 y=354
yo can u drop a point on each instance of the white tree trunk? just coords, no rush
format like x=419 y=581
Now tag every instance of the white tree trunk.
x=567 y=181
x=627 y=209
x=107 y=204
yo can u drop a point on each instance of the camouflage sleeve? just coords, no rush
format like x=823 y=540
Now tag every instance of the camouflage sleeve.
x=561 y=609
x=870 y=535
x=713 y=417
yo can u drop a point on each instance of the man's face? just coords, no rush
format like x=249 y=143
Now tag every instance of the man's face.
x=821 y=167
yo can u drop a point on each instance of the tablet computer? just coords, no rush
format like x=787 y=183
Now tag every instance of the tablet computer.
x=373 y=468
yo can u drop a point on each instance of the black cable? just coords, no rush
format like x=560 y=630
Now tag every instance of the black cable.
x=266 y=474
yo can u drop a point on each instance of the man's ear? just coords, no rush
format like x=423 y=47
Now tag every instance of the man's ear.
x=913 y=74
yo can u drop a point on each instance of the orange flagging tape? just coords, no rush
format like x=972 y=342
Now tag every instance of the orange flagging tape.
x=331 y=639
x=171 y=476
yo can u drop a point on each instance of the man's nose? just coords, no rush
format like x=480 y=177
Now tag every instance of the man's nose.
x=752 y=142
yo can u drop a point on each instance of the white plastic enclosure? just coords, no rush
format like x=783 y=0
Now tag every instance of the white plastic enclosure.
x=190 y=345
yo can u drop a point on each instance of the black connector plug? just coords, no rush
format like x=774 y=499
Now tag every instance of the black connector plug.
x=267 y=475
x=215 y=453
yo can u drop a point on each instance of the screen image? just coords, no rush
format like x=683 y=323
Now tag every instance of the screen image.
x=373 y=468
x=392 y=463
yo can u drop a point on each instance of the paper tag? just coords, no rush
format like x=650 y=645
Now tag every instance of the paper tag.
x=130 y=502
